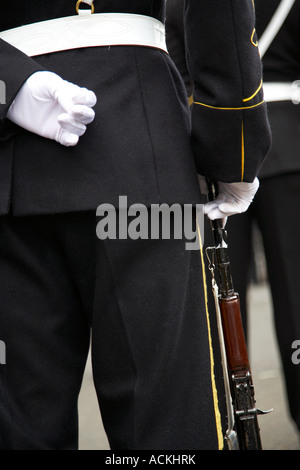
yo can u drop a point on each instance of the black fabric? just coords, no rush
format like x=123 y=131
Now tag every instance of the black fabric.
x=46 y=299
x=150 y=346
x=33 y=11
x=176 y=40
x=153 y=318
x=283 y=158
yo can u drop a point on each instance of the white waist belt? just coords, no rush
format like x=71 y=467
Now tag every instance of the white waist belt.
x=98 y=29
x=277 y=91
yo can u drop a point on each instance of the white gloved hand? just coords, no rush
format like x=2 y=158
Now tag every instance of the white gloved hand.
x=233 y=198
x=53 y=108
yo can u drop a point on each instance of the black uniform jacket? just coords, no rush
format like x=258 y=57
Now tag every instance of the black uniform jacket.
x=140 y=143
x=281 y=63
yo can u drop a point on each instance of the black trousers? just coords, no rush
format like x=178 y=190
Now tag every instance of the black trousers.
x=276 y=212
x=152 y=356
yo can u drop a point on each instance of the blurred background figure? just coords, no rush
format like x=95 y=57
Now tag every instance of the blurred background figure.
x=274 y=216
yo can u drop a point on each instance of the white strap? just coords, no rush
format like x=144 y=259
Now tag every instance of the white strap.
x=78 y=31
x=282 y=91
x=274 y=26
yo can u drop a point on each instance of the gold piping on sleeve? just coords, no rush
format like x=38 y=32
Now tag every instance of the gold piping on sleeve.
x=213 y=380
x=243 y=154
x=255 y=44
x=254 y=94
x=229 y=109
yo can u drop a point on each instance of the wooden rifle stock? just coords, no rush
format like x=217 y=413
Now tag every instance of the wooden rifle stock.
x=243 y=427
x=239 y=374
x=237 y=355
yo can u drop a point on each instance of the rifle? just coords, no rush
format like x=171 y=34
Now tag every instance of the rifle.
x=243 y=431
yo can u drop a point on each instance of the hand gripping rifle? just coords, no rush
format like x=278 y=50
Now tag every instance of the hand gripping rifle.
x=243 y=430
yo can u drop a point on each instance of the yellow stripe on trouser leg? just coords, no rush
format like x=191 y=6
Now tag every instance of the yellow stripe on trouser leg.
x=213 y=381
x=243 y=154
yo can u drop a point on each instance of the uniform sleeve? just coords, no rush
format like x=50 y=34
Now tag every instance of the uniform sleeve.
x=15 y=68
x=230 y=129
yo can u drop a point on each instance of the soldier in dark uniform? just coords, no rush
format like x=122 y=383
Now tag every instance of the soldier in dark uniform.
x=143 y=299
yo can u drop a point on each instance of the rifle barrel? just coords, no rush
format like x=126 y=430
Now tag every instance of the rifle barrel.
x=239 y=371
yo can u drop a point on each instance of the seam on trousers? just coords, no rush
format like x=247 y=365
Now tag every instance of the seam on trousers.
x=128 y=344
x=211 y=353
x=148 y=125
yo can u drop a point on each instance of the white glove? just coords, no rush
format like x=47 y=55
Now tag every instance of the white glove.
x=53 y=108
x=233 y=198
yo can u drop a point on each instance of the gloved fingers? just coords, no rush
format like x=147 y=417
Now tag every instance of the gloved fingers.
x=225 y=209
x=241 y=191
x=69 y=124
x=216 y=213
x=65 y=92
x=223 y=206
x=231 y=208
x=234 y=205
x=233 y=198
x=82 y=113
x=69 y=95
x=213 y=211
x=211 y=205
x=53 y=108
x=67 y=139
x=85 y=96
